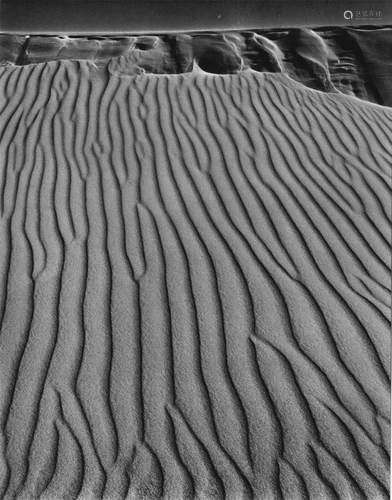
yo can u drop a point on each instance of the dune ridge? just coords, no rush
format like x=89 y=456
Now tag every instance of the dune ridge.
x=194 y=287
x=351 y=61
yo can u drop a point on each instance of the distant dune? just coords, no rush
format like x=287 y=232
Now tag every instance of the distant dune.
x=110 y=17
x=194 y=286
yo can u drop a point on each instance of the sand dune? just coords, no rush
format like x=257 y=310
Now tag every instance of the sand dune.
x=354 y=62
x=194 y=287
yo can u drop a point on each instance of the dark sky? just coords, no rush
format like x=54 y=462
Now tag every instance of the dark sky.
x=162 y=16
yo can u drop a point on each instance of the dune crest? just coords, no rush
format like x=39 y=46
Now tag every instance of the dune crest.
x=354 y=62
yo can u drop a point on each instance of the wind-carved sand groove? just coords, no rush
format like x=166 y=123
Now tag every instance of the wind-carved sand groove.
x=194 y=287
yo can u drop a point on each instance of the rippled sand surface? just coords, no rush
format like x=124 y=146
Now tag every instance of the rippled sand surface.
x=194 y=286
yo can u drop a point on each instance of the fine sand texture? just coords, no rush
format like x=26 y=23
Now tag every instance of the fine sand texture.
x=194 y=287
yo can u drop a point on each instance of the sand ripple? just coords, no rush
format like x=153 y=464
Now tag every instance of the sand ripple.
x=194 y=287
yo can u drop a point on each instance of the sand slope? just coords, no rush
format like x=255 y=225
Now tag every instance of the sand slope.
x=194 y=287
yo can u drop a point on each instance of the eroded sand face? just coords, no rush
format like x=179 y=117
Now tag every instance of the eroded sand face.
x=194 y=287
x=356 y=62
